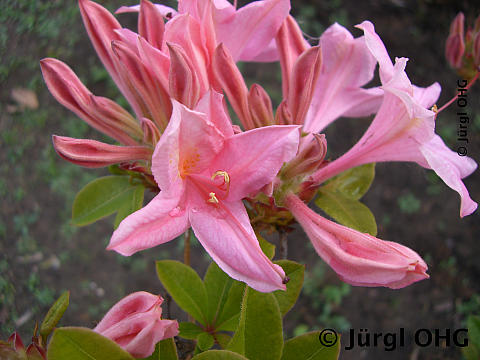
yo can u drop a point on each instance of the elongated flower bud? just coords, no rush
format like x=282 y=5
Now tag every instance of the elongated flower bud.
x=283 y=115
x=359 y=259
x=150 y=24
x=260 y=106
x=93 y=154
x=183 y=80
x=231 y=81
x=100 y=113
x=455 y=45
x=302 y=83
x=291 y=44
x=309 y=158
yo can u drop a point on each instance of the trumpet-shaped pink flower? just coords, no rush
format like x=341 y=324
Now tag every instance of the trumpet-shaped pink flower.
x=135 y=323
x=347 y=66
x=359 y=259
x=247 y=32
x=204 y=171
x=403 y=129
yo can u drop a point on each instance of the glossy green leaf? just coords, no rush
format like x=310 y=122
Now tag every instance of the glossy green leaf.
x=54 y=314
x=133 y=203
x=348 y=212
x=295 y=272
x=76 y=343
x=205 y=341
x=164 y=350
x=100 y=198
x=218 y=355
x=185 y=287
x=188 y=330
x=267 y=247
x=309 y=347
x=259 y=334
x=230 y=314
x=353 y=183
x=218 y=285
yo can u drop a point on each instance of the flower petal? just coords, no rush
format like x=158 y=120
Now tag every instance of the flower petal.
x=451 y=168
x=226 y=234
x=162 y=220
x=253 y=158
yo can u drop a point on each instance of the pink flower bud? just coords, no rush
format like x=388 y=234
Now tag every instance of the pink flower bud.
x=93 y=154
x=183 y=80
x=359 y=259
x=100 y=113
x=455 y=44
x=136 y=325
x=231 y=81
x=291 y=44
x=150 y=24
x=260 y=106
x=151 y=134
x=283 y=115
x=309 y=158
x=302 y=83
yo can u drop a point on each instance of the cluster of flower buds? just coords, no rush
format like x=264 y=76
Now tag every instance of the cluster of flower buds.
x=462 y=49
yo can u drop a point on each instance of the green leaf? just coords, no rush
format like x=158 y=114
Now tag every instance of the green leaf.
x=223 y=339
x=132 y=204
x=100 y=198
x=230 y=315
x=164 y=350
x=259 y=334
x=353 y=183
x=188 y=330
x=309 y=347
x=267 y=247
x=185 y=287
x=351 y=213
x=205 y=341
x=54 y=314
x=218 y=355
x=286 y=299
x=218 y=285
x=76 y=343
x=471 y=352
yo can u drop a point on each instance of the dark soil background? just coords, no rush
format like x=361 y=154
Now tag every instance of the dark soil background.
x=41 y=254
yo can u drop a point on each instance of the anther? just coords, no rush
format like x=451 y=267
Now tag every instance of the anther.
x=213 y=199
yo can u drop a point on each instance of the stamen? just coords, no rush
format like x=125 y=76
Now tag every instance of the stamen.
x=226 y=180
x=213 y=199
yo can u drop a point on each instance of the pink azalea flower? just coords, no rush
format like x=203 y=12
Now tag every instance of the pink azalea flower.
x=135 y=323
x=204 y=171
x=247 y=32
x=403 y=129
x=359 y=259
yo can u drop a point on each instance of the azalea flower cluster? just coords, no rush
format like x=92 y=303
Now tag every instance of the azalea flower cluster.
x=218 y=177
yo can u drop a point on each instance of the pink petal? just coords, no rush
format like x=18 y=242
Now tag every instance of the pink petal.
x=247 y=33
x=451 y=168
x=359 y=259
x=93 y=154
x=162 y=220
x=212 y=104
x=252 y=159
x=347 y=66
x=228 y=237
x=150 y=24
